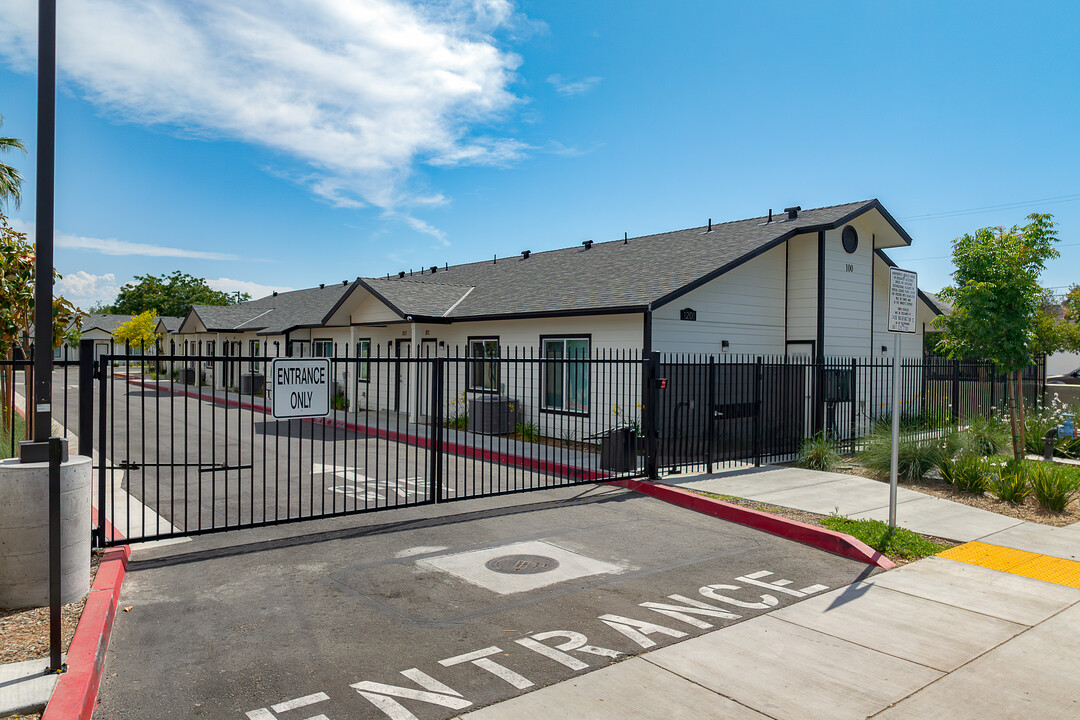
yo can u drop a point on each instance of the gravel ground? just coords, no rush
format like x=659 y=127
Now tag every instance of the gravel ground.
x=1029 y=510
x=24 y=633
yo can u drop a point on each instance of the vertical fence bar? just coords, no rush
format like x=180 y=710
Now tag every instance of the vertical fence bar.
x=103 y=372
x=86 y=398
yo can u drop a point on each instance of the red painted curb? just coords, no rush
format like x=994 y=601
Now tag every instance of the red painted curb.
x=75 y=695
x=819 y=537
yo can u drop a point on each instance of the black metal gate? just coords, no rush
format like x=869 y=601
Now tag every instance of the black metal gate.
x=189 y=446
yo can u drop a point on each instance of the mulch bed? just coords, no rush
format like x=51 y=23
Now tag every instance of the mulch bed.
x=24 y=633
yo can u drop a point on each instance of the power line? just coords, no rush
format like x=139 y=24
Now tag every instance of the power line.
x=1004 y=206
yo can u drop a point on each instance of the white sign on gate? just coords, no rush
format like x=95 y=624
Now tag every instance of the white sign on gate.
x=300 y=387
x=903 y=296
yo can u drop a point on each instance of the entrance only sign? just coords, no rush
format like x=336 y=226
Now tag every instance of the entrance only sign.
x=300 y=387
x=903 y=295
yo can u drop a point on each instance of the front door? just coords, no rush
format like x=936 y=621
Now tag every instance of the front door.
x=402 y=372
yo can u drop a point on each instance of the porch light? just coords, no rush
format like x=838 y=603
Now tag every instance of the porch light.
x=724 y=345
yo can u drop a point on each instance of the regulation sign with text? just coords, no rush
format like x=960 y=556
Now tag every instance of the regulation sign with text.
x=300 y=387
x=903 y=296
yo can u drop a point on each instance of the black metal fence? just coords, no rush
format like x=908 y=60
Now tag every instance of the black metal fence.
x=186 y=444
x=16 y=410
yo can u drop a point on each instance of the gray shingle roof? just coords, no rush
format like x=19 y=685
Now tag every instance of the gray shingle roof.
x=609 y=275
x=273 y=314
x=171 y=324
x=108 y=323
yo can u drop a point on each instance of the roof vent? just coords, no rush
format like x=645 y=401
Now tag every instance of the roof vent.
x=792 y=212
x=401 y=274
x=344 y=283
x=770 y=215
x=710 y=225
x=322 y=285
x=434 y=269
x=587 y=244
x=275 y=293
x=625 y=239
x=525 y=254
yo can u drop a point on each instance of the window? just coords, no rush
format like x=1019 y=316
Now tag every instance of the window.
x=253 y=349
x=483 y=364
x=210 y=348
x=363 y=350
x=322 y=348
x=566 y=374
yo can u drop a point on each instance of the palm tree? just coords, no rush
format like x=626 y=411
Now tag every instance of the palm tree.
x=10 y=179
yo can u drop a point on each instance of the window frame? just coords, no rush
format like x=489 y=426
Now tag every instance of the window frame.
x=319 y=342
x=474 y=363
x=542 y=404
x=363 y=367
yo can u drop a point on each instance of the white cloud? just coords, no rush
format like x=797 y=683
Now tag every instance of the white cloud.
x=359 y=91
x=254 y=289
x=112 y=246
x=86 y=289
x=564 y=86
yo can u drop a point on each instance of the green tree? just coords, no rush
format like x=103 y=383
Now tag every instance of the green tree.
x=1071 y=304
x=997 y=301
x=17 y=308
x=170 y=295
x=10 y=179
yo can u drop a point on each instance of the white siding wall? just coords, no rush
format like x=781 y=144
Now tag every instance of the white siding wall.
x=802 y=288
x=744 y=307
x=848 y=293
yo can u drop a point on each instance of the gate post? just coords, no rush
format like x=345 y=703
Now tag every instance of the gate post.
x=710 y=418
x=435 y=484
x=649 y=399
x=86 y=398
x=103 y=371
x=757 y=412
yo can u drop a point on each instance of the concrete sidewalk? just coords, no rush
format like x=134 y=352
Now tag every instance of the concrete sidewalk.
x=938 y=638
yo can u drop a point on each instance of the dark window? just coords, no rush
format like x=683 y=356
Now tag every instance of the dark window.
x=483 y=364
x=322 y=348
x=566 y=374
x=850 y=238
x=363 y=350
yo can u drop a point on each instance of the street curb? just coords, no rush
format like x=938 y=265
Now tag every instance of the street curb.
x=75 y=695
x=819 y=537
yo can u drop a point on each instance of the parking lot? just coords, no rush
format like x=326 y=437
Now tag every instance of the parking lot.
x=428 y=611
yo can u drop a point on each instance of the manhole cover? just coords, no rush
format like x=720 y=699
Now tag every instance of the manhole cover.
x=521 y=564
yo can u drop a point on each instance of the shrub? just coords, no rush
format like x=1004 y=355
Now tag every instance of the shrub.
x=947 y=467
x=1011 y=482
x=458 y=416
x=1053 y=486
x=916 y=457
x=339 y=402
x=988 y=435
x=527 y=431
x=971 y=474
x=818 y=453
x=1038 y=420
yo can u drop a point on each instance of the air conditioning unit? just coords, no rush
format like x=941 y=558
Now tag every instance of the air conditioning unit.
x=492 y=415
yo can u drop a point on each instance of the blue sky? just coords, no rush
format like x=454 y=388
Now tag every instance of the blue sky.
x=266 y=144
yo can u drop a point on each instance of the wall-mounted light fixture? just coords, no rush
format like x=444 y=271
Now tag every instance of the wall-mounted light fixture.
x=724 y=346
x=884 y=349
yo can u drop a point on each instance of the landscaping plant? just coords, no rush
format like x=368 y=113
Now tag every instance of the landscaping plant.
x=897 y=542
x=818 y=453
x=916 y=456
x=1010 y=483
x=527 y=431
x=1053 y=486
x=971 y=474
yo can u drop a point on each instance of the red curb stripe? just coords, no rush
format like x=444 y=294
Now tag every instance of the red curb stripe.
x=75 y=695
x=822 y=538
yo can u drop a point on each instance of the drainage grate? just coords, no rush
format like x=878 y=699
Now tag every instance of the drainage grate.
x=521 y=564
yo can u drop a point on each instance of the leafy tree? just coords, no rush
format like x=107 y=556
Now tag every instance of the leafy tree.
x=1071 y=304
x=10 y=179
x=171 y=295
x=139 y=333
x=997 y=301
x=17 y=307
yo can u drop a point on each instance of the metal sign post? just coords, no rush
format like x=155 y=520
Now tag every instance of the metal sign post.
x=903 y=295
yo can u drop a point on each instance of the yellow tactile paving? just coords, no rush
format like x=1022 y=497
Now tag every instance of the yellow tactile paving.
x=1017 y=562
x=991 y=556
